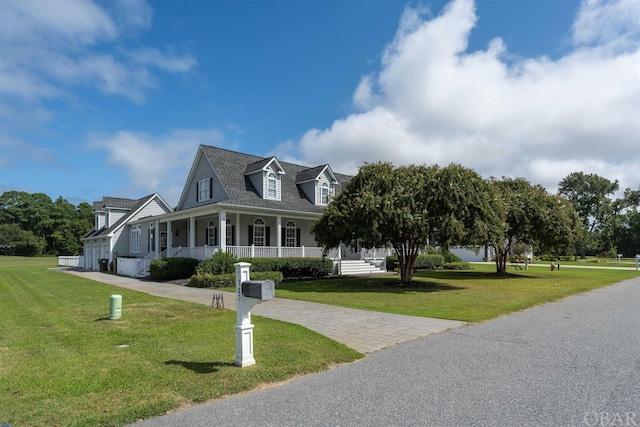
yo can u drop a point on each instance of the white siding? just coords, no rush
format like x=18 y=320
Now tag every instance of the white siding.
x=115 y=215
x=120 y=242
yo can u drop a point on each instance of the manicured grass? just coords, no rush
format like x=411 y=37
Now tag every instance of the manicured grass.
x=63 y=363
x=471 y=296
x=601 y=262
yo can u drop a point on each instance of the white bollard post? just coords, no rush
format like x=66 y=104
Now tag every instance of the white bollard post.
x=637 y=261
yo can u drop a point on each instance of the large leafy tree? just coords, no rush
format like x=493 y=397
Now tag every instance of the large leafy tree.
x=58 y=225
x=402 y=205
x=625 y=225
x=16 y=241
x=590 y=195
x=531 y=216
x=461 y=206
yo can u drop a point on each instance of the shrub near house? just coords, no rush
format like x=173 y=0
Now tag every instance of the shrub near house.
x=423 y=262
x=163 y=269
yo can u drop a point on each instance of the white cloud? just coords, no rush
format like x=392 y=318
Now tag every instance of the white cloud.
x=156 y=163
x=433 y=101
x=613 y=23
x=48 y=48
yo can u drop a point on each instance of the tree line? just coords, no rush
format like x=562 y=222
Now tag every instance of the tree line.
x=410 y=207
x=33 y=224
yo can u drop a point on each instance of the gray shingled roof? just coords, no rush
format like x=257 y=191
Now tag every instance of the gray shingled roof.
x=254 y=167
x=137 y=204
x=229 y=164
x=119 y=203
x=309 y=174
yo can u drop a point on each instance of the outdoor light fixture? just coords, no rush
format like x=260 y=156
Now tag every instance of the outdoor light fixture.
x=177 y=232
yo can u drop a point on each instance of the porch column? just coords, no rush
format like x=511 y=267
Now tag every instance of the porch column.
x=156 y=238
x=279 y=235
x=169 y=235
x=223 y=230
x=192 y=232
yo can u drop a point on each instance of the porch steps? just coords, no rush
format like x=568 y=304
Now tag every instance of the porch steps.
x=359 y=268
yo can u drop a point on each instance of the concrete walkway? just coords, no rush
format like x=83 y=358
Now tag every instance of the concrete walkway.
x=364 y=331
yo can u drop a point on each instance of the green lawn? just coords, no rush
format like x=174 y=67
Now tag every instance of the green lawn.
x=471 y=296
x=63 y=363
x=595 y=262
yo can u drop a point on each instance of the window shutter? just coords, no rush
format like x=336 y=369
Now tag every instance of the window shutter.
x=233 y=235
x=211 y=188
x=250 y=235
x=206 y=236
x=267 y=236
x=283 y=236
x=197 y=191
x=297 y=237
x=215 y=236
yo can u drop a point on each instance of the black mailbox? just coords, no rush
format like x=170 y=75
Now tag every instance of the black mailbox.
x=260 y=289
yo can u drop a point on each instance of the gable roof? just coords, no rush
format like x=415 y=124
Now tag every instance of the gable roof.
x=229 y=166
x=314 y=174
x=263 y=164
x=134 y=209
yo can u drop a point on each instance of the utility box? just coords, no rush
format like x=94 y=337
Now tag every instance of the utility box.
x=115 y=307
x=263 y=290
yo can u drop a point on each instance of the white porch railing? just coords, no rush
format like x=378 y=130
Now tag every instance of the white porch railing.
x=71 y=261
x=144 y=264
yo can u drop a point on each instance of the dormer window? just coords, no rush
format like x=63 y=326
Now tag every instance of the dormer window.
x=324 y=194
x=272 y=186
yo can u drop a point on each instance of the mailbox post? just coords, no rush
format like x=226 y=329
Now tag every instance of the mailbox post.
x=248 y=294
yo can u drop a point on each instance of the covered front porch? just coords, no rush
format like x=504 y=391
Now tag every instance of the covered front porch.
x=199 y=232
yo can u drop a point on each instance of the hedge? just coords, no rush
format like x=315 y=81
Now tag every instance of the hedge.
x=292 y=267
x=423 y=262
x=163 y=269
x=228 y=280
x=457 y=266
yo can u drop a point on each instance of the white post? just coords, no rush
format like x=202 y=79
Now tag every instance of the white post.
x=192 y=233
x=169 y=238
x=637 y=261
x=279 y=235
x=253 y=251
x=244 y=328
x=156 y=238
x=223 y=231
x=303 y=251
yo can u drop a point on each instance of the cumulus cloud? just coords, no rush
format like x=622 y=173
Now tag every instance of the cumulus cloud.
x=156 y=163
x=50 y=47
x=434 y=101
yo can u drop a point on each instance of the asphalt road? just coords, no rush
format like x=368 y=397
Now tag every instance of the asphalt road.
x=575 y=362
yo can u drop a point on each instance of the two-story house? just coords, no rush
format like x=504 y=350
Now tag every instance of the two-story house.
x=248 y=205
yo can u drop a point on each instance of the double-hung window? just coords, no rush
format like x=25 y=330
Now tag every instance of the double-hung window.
x=135 y=239
x=204 y=189
x=290 y=235
x=229 y=230
x=211 y=234
x=272 y=186
x=324 y=194
x=258 y=232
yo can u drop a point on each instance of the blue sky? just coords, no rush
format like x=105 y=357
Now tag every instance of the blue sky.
x=113 y=98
